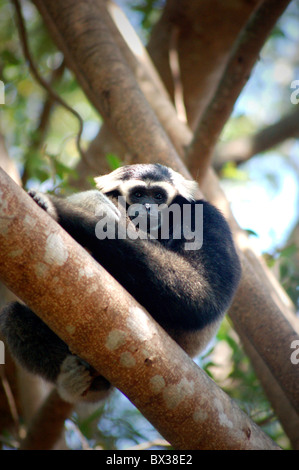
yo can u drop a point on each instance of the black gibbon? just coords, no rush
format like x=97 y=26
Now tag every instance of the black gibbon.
x=174 y=254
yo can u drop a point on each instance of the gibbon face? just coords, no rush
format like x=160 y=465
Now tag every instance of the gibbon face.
x=149 y=188
x=154 y=178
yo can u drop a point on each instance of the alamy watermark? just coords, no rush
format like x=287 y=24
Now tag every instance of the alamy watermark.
x=2 y=93
x=295 y=354
x=152 y=221
x=295 y=95
x=2 y=353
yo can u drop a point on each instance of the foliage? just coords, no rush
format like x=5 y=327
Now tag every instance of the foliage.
x=285 y=261
x=149 y=11
x=21 y=117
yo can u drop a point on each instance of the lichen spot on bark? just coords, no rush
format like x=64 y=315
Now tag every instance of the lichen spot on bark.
x=5 y=224
x=174 y=394
x=86 y=271
x=41 y=270
x=139 y=322
x=157 y=384
x=30 y=221
x=55 y=250
x=200 y=415
x=70 y=329
x=127 y=359
x=115 y=339
x=3 y=201
x=16 y=253
x=223 y=418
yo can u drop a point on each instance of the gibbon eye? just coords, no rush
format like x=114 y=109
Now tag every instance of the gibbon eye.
x=158 y=196
x=138 y=194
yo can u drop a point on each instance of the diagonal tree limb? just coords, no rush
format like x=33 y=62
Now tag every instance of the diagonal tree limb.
x=63 y=284
x=147 y=77
x=283 y=408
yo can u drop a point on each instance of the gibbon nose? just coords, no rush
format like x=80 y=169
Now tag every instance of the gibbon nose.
x=147 y=207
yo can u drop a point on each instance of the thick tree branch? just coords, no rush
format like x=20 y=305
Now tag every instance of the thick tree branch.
x=283 y=408
x=236 y=74
x=206 y=33
x=153 y=89
x=148 y=80
x=63 y=285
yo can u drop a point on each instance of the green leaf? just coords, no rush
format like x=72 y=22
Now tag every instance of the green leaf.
x=113 y=160
x=288 y=251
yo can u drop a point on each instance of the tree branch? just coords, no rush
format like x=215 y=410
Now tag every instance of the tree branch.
x=283 y=408
x=102 y=63
x=236 y=74
x=207 y=31
x=146 y=75
x=172 y=392
x=244 y=148
x=43 y=123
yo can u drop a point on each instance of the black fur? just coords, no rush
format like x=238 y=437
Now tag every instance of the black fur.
x=184 y=291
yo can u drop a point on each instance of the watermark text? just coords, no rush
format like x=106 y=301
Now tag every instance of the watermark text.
x=2 y=93
x=2 y=353
x=295 y=354
x=152 y=221
x=295 y=95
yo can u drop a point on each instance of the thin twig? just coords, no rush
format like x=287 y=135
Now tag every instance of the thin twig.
x=243 y=148
x=43 y=123
x=150 y=444
x=83 y=441
x=44 y=84
x=10 y=398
